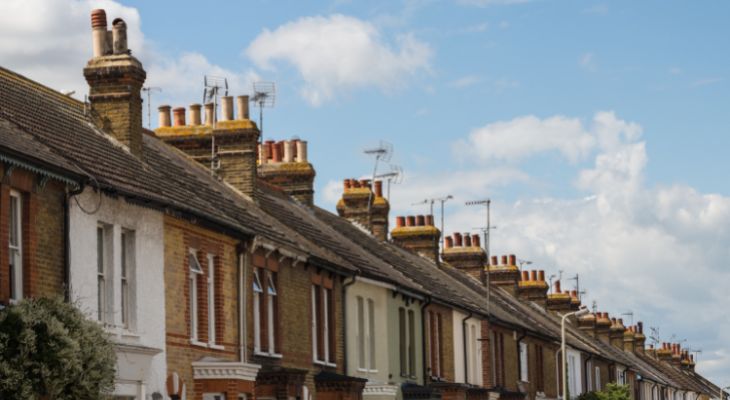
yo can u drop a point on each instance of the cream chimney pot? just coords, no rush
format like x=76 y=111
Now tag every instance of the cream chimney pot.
x=163 y=116
x=242 y=103
x=119 y=36
x=98 y=32
x=227 y=108
x=209 y=114
x=195 y=114
x=302 y=151
x=288 y=151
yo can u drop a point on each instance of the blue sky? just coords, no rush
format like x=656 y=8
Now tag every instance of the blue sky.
x=598 y=128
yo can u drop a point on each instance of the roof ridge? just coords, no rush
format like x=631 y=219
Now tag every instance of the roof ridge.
x=37 y=85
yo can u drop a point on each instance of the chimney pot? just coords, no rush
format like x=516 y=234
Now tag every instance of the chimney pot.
x=557 y=287
x=163 y=116
x=475 y=241
x=574 y=294
x=420 y=220
x=467 y=240
x=195 y=114
x=640 y=325
x=504 y=260
x=378 y=188
x=448 y=242
x=242 y=103
x=533 y=275
x=227 y=108
x=346 y=184
x=541 y=275
x=288 y=151
x=400 y=221
x=301 y=151
x=410 y=220
x=119 y=35
x=179 y=116
x=209 y=113
x=276 y=152
x=429 y=220
x=495 y=260
x=512 y=259
x=98 y=32
x=525 y=276
x=458 y=239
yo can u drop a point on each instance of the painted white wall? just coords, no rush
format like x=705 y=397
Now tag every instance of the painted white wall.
x=473 y=373
x=575 y=378
x=141 y=361
x=379 y=294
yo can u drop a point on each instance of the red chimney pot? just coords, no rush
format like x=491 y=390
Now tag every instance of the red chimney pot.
x=533 y=275
x=475 y=240
x=512 y=259
x=400 y=221
x=525 y=276
x=541 y=275
x=467 y=240
x=457 y=239
x=420 y=220
x=449 y=242
x=410 y=220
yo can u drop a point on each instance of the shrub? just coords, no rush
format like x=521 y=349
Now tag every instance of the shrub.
x=49 y=350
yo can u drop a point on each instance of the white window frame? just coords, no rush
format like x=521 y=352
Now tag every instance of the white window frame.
x=406 y=352
x=325 y=296
x=597 y=375
x=105 y=272
x=195 y=270
x=211 y=299
x=524 y=365
x=127 y=273
x=370 y=340
x=271 y=292
x=257 y=293
x=366 y=335
x=16 y=249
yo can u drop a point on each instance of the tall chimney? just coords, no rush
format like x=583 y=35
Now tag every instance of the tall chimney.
x=558 y=301
x=363 y=202
x=195 y=114
x=603 y=327
x=532 y=287
x=616 y=333
x=119 y=36
x=422 y=239
x=115 y=84
x=629 y=340
x=506 y=274
x=587 y=324
x=284 y=169
x=466 y=256
x=639 y=338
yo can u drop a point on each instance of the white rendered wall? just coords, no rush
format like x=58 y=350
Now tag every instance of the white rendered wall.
x=141 y=361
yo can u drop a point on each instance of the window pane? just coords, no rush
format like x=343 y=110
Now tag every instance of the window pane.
x=257 y=283
x=14 y=221
x=371 y=332
x=360 y=333
x=411 y=344
x=194 y=263
x=271 y=288
x=402 y=341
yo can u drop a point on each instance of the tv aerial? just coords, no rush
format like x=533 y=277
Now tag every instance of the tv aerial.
x=213 y=86
x=148 y=90
x=264 y=96
x=382 y=153
x=395 y=176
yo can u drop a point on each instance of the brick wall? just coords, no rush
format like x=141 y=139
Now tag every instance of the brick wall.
x=43 y=235
x=181 y=353
x=447 y=341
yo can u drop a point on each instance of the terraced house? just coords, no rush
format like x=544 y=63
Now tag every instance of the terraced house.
x=200 y=250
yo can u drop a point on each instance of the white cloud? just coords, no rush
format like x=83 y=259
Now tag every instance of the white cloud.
x=50 y=41
x=588 y=61
x=705 y=82
x=526 y=136
x=465 y=81
x=338 y=53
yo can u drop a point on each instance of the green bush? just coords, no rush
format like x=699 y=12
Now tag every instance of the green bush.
x=589 y=396
x=614 y=391
x=49 y=350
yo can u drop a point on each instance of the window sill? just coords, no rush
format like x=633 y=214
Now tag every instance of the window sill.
x=324 y=363
x=269 y=355
x=367 y=371
x=216 y=346
x=195 y=342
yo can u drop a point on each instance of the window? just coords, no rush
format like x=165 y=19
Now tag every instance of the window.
x=411 y=344
x=407 y=327
x=15 y=246
x=323 y=326
x=497 y=345
x=214 y=396
x=574 y=378
x=366 y=334
x=126 y=276
x=474 y=354
x=597 y=384
x=195 y=271
x=524 y=373
x=211 y=298
x=435 y=331
x=265 y=312
x=539 y=369
x=103 y=272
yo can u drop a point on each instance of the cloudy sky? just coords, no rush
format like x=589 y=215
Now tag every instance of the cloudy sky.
x=598 y=129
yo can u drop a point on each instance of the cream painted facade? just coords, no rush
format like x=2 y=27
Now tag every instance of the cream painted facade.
x=374 y=338
x=467 y=358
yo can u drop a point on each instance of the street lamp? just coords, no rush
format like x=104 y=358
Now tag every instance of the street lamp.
x=722 y=390
x=581 y=312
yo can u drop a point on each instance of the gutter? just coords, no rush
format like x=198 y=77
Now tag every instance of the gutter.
x=423 y=338
x=353 y=279
x=463 y=334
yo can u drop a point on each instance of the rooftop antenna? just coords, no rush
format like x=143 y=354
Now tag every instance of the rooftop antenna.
x=212 y=88
x=395 y=176
x=594 y=306
x=523 y=262
x=550 y=278
x=148 y=91
x=576 y=278
x=264 y=96
x=431 y=202
x=629 y=314
x=486 y=230
x=654 y=336
x=382 y=153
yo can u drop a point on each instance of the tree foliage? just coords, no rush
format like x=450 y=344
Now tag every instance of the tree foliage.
x=614 y=391
x=49 y=350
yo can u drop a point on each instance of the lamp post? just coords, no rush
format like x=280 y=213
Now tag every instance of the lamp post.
x=722 y=391
x=582 y=311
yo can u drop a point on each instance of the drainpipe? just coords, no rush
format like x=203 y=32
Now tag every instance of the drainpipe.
x=519 y=364
x=67 y=240
x=353 y=278
x=423 y=338
x=243 y=261
x=463 y=335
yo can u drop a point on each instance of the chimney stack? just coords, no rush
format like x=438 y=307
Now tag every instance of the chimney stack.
x=287 y=167
x=422 y=239
x=616 y=333
x=532 y=287
x=603 y=327
x=465 y=255
x=363 y=202
x=639 y=338
x=587 y=324
x=558 y=301
x=506 y=274
x=115 y=81
x=629 y=339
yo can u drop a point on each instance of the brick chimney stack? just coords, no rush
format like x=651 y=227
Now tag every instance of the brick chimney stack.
x=558 y=301
x=603 y=327
x=364 y=203
x=629 y=339
x=616 y=333
x=532 y=287
x=235 y=140
x=467 y=256
x=587 y=324
x=639 y=338
x=664 y=353
x=505 y=274
x=417 y=233
x=115 y=81
x=284 y=164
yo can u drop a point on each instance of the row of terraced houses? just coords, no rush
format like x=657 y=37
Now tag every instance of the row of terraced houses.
x=218 y=278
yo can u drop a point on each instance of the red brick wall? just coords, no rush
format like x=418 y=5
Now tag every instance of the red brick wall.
x=43 y=235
